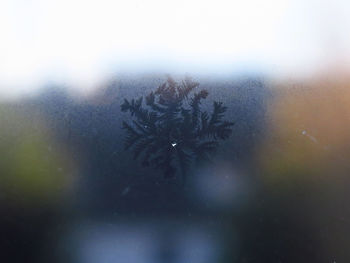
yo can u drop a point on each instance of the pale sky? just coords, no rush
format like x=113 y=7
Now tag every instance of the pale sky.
x=80 y=42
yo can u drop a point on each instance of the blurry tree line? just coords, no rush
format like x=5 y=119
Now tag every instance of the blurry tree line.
x=292 y=144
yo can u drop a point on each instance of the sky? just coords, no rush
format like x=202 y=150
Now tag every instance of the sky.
x=79 y=43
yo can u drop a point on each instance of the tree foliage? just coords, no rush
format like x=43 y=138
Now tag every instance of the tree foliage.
x=170 y=131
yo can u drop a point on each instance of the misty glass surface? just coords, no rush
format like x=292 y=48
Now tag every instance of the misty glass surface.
x=238 y=151
x=274 y=191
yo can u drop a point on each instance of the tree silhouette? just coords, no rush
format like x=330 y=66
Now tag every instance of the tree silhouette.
x=172 y=131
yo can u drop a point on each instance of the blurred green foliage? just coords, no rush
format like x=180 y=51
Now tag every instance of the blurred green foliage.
x=31 y=165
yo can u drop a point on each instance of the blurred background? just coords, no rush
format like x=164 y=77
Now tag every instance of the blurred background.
x=276 y=191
